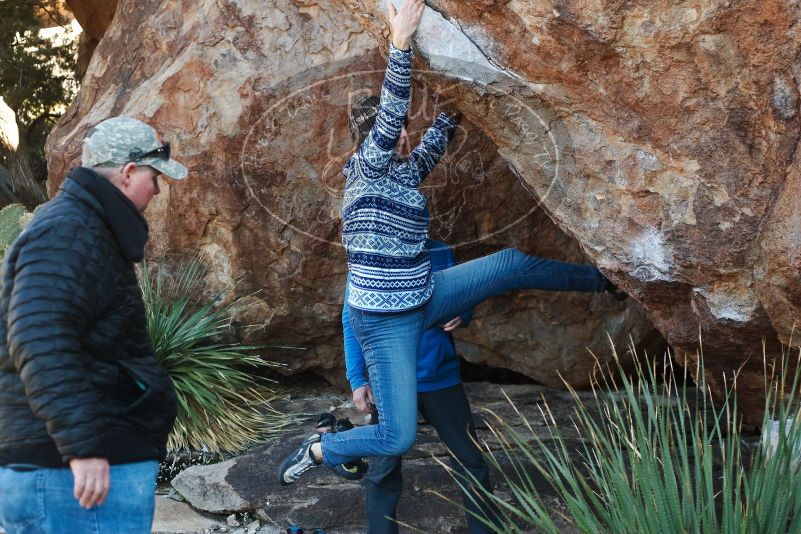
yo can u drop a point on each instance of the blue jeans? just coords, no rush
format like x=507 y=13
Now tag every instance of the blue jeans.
x=41 y=502
x=390 y=340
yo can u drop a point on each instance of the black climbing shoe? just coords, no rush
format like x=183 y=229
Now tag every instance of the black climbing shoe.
x=342 y=425
x=612 y=289
x=354 y=470
x=326 y=422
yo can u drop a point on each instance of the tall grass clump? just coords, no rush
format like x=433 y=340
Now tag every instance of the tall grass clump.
x=655 y=456
x=222 y=405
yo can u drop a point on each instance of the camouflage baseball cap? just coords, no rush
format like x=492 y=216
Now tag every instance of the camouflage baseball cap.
x=120 y=140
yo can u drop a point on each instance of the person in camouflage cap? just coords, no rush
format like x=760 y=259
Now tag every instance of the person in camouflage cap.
x=85 y=408
x=120 y=140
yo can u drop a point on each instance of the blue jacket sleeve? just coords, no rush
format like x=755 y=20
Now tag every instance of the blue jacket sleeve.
x=375 y=153
x=433 y=144
x=451 y=261
x=354 y=358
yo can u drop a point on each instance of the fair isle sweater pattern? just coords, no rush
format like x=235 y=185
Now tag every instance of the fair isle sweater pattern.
x=384 y=216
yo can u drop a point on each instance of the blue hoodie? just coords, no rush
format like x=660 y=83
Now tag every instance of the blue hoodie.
x=437 y=362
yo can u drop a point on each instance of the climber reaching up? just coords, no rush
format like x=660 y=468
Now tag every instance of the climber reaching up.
x=393 y=295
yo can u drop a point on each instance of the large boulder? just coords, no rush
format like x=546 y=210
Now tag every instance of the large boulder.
x=254 y=98
x=672 y=159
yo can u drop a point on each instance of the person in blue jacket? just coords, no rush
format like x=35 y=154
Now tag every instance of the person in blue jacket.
x=440 y=398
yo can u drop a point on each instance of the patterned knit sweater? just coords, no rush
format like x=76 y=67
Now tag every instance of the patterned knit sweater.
x=384 y=216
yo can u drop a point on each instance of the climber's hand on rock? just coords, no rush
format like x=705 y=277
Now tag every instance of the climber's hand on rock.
x=404 y=21
x=455 y=117
x=453 y=114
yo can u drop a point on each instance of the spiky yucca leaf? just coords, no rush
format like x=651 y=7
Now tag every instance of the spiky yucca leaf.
x=222 y=406
x=655 y=457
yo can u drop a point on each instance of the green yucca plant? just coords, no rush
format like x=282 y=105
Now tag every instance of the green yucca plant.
x=222 y=407
x=655 y=457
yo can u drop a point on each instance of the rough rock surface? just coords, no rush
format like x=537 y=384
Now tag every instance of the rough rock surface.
x=671 y=155
x=254 y=98
x=94 y=16
x=324 y=500
x=173 y=517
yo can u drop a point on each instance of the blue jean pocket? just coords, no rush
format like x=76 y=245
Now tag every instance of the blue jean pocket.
x=22 y=502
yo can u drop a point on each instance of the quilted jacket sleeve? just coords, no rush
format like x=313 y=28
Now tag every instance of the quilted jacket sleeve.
x=54 y=299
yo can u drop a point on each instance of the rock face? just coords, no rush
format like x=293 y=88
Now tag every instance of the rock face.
x=672 y=149
x=94 y=17
x=254 y=98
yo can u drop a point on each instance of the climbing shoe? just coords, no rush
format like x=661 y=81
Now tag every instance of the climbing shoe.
x=612 y=289
x=298 y=462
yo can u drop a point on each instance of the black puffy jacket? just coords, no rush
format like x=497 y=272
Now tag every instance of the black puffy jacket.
x=78 y=377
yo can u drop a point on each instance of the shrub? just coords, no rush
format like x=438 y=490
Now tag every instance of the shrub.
x=222 y=406
x=656 y=456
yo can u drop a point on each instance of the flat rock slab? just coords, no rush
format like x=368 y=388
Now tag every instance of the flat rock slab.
x=173 y=517
x=249 y=483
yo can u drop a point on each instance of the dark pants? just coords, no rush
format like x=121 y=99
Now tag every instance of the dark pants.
x=449 y=412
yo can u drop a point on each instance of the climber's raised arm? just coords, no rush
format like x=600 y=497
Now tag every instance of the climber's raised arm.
x=378 y=134
x=434 y=142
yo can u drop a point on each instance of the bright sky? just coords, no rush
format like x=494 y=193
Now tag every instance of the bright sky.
x=61 y=35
